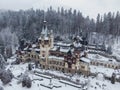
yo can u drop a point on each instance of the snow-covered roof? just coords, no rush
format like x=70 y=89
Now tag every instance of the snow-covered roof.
x=22 y=51
x=79 y=37
x=30 y=48
x=37 y=49
x=64 y=50
x=34 y=45
x=46 y=38
x=26 y=48
x=57 y=58
x=77 y=44
x=85 y=60
x=101 y=58
x=81 y=53
x=39 y=38
x=54 y=48
x=62 y=44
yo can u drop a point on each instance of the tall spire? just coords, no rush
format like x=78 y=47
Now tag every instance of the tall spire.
x=45 y=29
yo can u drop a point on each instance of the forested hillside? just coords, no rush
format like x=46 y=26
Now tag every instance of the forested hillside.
x=28 y=24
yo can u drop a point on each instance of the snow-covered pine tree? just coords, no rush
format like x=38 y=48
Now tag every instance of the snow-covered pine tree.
x=2 y=62
x=1 y=88
x=109 y=50
x=6 y=76
x=113 y=78
x=103 y=47
x=26 y=81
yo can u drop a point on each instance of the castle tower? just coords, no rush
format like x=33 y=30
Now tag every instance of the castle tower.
x=46 y=43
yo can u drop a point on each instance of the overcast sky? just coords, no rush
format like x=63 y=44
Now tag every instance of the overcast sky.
x=87 y=7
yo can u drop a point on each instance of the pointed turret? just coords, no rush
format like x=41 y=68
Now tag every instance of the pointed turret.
x=44 y=29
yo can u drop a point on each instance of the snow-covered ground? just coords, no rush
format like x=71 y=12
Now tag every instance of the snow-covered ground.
x=99 y=69
x=97 y=84
x=93 y=83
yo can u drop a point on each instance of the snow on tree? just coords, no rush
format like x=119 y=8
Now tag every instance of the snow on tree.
x=26 y=81
x=83 y=48
x=100 y=76
x=6 y=76
x=17 y=61
x=1 y=72
x=2 y=62
x=1 y=88
x=113 y=78
x=10 y=39
x=36 y=64
x=109 y=50
x=103 y=47
x=96 y=46
x=29 y=66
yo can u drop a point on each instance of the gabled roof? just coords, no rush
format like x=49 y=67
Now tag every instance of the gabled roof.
x=84 y=59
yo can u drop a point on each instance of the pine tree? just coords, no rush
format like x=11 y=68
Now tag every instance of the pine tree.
x=103 y=47
x=109 y=50
x=29 y=67
x=113 y=79
x=1 y=88
x=26 y=81
x=6 y=76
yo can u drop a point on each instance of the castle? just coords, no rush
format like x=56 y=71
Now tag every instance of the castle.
x=67 y=58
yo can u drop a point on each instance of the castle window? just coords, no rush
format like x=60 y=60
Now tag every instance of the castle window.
x=105 y=65
x=43 y=55
x=69 y=71
x=57 y=63
x=32 y=56
x=56 y=68
x=60 y=63
x=62 y=69
x=54 y=62
x=43 y=66
x=50 y=62
x=38 y=57
x=101 y=64
x=82 y=67
x=46 y=41
x=29 y=55
x=39 y=41
x=112 y=66
x=43 y=51
x=63 y=64
x=53 y=67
